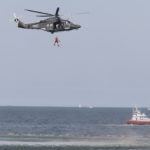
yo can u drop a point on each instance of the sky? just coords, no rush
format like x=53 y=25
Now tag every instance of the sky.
x=106 y=63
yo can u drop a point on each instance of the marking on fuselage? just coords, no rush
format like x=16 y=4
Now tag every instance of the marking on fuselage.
x=43 y=29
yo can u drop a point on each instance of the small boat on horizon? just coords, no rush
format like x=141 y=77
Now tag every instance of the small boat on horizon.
x=79 y=106
x=138 y=118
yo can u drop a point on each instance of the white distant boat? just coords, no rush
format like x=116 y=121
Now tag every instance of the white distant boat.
x=80 y=106
x=90 y=107
x=138 y=118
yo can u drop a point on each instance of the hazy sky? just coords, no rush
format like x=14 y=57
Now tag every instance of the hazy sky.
x=105 y=63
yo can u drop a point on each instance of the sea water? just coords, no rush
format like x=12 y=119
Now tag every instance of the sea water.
x=57 y=128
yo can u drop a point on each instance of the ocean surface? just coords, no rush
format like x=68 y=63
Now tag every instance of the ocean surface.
x=56 y=128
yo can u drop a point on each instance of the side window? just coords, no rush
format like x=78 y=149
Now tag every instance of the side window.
x=49 y=25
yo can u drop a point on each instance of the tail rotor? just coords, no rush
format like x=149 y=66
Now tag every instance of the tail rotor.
x=16 y=19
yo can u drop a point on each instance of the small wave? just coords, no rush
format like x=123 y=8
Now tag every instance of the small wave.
x=116 y=125
x=90 y=142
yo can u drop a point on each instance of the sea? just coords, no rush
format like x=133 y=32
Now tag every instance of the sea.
x=68 y=128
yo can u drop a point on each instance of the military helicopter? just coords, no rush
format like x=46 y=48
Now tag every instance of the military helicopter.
x=53 y=22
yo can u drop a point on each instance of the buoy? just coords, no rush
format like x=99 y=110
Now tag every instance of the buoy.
x=41 y=134
x=102 y=135
x=11 y=134
x=26 y=134
x=123 y=135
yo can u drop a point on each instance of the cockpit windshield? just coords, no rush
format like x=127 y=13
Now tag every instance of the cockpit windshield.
x=67 y=22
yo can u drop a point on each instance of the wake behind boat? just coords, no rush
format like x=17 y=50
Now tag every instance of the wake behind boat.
x=138 y=118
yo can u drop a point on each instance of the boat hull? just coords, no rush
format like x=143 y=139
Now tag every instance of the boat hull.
x=137 y=122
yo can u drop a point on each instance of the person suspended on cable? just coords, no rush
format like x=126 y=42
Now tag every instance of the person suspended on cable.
x=57 y=41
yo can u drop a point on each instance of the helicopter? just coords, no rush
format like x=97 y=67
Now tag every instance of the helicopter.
x=53 y=22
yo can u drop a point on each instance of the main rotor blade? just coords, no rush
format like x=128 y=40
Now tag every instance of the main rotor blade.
x=39 y=12
x=57 y=11
x=43 y=16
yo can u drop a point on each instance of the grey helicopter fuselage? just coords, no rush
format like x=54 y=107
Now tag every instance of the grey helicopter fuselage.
x=52 y=24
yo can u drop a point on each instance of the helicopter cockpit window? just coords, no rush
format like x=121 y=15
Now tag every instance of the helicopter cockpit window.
x=67 y=24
